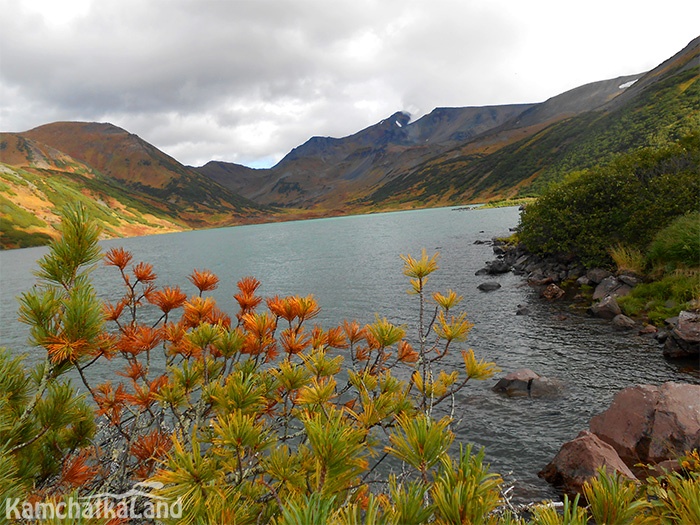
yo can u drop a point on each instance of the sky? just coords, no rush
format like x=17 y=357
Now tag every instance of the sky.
x=246 y=81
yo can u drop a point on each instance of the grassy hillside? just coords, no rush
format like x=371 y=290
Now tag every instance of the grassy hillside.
x=661 y=114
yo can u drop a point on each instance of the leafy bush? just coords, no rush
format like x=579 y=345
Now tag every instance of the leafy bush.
x=626 y=202
x=678 y=243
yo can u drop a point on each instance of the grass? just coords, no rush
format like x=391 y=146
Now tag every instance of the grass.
x=678 y=245
x=665 y=298
x=628 y=259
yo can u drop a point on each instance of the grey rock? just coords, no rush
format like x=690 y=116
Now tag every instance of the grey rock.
x=499 y=250
x=497 y=267
x=584 y=281
x=489 y=286
x=597 y=274
x=605 y=309
x=629 y=280
x=606 y=287
x=622 y=322
x=526 y=383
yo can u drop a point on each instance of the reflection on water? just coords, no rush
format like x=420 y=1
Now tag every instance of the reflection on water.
x=352 y=266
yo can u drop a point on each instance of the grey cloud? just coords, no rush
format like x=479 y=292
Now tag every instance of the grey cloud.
x=249 y=80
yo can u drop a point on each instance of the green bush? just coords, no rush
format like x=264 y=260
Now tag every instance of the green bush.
x=679 y=243
x=627 y=203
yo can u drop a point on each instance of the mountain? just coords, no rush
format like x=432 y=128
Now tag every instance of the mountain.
x=449 y=156
x=126 y=157
x=648 y=110
x=328 y=172
x=130 y=186
x=456 y=155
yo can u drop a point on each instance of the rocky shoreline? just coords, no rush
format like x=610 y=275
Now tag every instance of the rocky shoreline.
x=645 y=424
x=595 y=290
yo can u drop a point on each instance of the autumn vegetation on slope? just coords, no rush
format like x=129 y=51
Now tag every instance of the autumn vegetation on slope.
x=261 y=416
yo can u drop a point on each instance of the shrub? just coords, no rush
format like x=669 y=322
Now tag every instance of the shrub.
x=679 y=243
x=625 y=202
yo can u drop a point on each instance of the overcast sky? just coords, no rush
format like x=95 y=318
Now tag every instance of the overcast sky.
x=247 y=81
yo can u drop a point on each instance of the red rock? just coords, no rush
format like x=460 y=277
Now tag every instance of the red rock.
x=676 y=426
x=625 y=424
x=552 y=292
x=577 y=462
x=648 y=329
x=649 y=424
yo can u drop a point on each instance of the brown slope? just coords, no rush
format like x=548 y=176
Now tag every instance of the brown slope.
x=126 y=157
x=38 y=180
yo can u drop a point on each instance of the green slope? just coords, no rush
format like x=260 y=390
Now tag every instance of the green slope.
x=660 y=114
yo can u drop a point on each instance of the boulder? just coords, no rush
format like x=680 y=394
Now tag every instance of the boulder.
x=622 y=322
x=577 y=462
x=584 y=281
x=648 y=423
x=597 y=274
x=684 y=339
x=489 y=286
x=605 y=309
x=526 y=383
x=499 y=250
x=610 y=286
x=648 y=329
x=497 y=267
x=552 y=292
x=629 y=280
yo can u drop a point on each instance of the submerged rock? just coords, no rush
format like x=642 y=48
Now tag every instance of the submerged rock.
x=489 y=286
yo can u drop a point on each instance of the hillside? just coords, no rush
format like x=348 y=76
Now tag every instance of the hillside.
x=660 y=107
x=140 y=166
x=127 y=184
x=37 y=180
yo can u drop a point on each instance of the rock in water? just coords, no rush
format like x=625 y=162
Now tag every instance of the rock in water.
x=577 y=462
x=526 y=383
x=605 y=309
x=622 y=322
x=684 y=339
x=489 y=286
x=552 y=292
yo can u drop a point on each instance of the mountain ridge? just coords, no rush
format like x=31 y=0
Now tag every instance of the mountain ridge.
x=448 y=156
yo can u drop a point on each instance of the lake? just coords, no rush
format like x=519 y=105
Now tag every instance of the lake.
x=352 y=266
